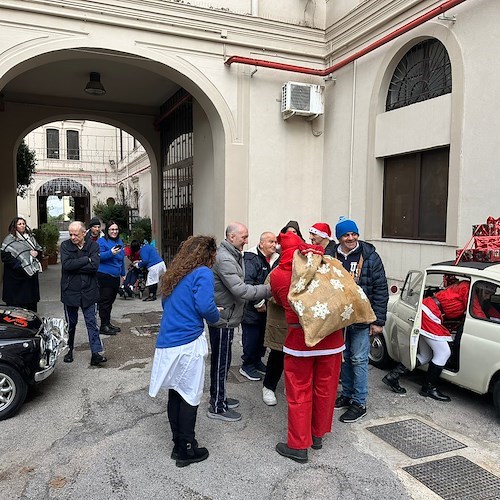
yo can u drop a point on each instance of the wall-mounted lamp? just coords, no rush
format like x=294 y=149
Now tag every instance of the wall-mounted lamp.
x=94 y=86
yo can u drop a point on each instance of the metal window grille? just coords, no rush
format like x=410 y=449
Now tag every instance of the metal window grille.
x=73 y=144
x=423 y=73
x=177 y=174
x=52 y=135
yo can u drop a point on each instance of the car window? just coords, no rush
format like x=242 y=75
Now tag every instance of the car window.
x=485 y=301
x=411 y=289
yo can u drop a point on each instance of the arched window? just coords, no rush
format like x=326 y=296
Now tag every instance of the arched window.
x=423 y=73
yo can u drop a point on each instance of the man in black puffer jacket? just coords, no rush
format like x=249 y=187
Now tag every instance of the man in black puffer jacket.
x=361 y=260
x=259 y=261
x=79 y=289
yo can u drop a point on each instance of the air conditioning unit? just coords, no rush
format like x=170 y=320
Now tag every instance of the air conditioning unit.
x=303 y=99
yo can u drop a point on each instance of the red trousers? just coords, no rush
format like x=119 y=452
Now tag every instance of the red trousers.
x=311 y=388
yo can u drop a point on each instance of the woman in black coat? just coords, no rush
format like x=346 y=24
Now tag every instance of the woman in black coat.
x=20 y=254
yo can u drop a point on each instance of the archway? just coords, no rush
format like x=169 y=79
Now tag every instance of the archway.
x=150 y=84
x=64 y=187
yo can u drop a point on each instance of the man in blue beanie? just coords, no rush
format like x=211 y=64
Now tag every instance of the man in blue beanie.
x=361 y=260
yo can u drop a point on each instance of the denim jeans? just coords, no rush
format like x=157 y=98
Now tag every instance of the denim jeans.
x=354 y=372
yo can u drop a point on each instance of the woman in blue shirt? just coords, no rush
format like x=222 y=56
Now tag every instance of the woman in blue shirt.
x=187 y=290
x=111 y=269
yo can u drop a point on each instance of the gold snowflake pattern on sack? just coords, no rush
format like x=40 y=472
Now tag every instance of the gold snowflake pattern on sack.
x=299 y=307
x=301 y=284
x=346 y=314
x=337 y=285
x=362 y=294
x=312 y=286
x=324 y=269
x=320 y=310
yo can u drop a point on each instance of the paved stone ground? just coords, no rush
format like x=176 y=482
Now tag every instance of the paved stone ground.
x=94 y=432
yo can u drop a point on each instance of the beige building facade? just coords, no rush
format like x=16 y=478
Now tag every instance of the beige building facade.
x=248 y=163
x=92 y=160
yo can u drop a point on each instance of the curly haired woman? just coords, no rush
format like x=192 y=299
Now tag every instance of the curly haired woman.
x=187 y=290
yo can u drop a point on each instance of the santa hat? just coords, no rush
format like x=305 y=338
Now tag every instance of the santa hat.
x=321 y=229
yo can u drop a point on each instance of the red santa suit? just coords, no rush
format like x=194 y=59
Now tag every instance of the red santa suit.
x=311 y=373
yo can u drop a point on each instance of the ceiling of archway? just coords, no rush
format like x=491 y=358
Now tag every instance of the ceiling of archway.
x=59 y=78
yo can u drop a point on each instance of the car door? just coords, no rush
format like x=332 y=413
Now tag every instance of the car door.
x=405 y=313
x=479 y=343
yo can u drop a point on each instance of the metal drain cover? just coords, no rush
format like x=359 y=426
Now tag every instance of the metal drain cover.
x=415 y=439
x=456 y=478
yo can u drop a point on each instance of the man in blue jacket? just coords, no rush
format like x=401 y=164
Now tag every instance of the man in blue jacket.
x=79 y=262
x=361 y=260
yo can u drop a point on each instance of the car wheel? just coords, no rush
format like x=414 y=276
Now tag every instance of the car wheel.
x=496 y=397
x=13 y=389
x=378 y=355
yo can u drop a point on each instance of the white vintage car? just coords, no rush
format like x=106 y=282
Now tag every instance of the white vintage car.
x=475 y=360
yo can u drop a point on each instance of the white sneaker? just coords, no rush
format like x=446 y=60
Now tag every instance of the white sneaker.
x=269 y=397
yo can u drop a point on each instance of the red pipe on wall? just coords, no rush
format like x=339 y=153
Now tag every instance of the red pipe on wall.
x=448 y=4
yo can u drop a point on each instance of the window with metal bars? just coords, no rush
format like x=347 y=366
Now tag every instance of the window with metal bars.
x=52 y=135
x=416 y=195
x=72 y=145
x=423 y=73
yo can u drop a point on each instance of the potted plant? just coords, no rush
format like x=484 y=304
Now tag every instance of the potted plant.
x=40 y=237
x=51 y=236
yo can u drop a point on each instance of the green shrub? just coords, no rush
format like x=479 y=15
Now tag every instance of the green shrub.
x=141 y=230
x=116 y=212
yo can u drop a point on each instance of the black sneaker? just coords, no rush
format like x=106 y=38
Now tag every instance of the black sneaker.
x=342 y=402
x=353 y=414
x=250 y=373
x=260 y=367
x=232 y=403
x=296 y=455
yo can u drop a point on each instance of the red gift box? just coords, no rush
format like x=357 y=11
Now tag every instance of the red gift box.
x=486 y=255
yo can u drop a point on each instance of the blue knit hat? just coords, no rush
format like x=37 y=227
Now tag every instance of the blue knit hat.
x=345 y=226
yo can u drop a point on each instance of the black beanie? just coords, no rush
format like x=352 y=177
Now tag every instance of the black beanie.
x=94 y=222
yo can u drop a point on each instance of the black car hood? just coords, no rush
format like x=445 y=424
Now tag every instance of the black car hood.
x=18 y=323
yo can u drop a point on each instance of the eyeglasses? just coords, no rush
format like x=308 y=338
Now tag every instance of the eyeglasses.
x=113 y=229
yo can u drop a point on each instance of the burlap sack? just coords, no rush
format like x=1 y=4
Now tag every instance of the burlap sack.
x=325 y=297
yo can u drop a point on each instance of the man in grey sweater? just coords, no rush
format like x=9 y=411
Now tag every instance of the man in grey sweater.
x=231 y=293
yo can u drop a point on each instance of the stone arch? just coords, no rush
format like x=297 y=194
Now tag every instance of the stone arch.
x=64 y=186
x=209 y=101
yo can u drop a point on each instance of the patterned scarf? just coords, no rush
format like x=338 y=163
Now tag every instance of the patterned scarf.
x=19 y=247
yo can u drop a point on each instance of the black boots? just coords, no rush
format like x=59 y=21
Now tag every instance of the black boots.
x=392 y=378
x=97 y=359
x=189 y=453
x=149 y=298
x=68 y=358
x=182 y=418
x=429 y=389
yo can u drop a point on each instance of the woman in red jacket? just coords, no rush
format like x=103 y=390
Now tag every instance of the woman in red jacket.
x=311 y=373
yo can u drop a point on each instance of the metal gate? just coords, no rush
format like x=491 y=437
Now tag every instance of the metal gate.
x=177 y=172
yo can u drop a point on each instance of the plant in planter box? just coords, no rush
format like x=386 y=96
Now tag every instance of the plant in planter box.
x=40 y=237
x=51 y=236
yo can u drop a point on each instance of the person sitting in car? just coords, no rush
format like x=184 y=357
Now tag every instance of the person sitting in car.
x=433 y=344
